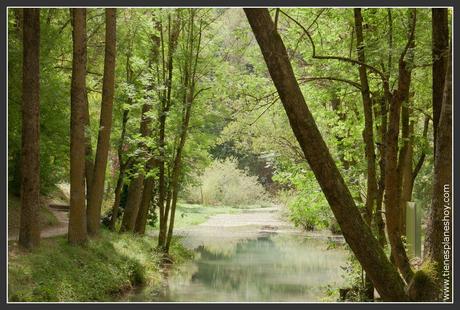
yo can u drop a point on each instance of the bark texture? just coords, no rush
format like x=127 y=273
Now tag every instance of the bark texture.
x=29 y=233
x=392 y=196
x=77 y=215
x=105 y=126
x=440 y=44
x=439 y=230
x=357 y=234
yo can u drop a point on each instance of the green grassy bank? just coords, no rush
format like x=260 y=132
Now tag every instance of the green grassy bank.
x=98 y=271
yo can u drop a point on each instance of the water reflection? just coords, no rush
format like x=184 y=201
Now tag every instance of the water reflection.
x=269 y=268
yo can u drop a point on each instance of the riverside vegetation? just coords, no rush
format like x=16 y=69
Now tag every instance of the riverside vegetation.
x=179 y=130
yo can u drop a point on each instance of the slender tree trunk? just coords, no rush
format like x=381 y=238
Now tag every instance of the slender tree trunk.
x=438 y=242
x=77 y=215
x=356 y=232
x=29 y=233
x=177 y=170
x=381 y=183
x=123 y=165
x=121 y=176
x=105 y=126
x=368 y=135
x=368 y=121
x=392 y=179
x=440 y=44
x=165 y=106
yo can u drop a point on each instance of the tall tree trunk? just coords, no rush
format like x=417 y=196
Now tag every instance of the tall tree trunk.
x=356 y=232
x=177 y=168
x=368 y=121
x=173 y=35
x=392 y=179
x=105 y=126
x=440 y=46
x=29 y=233
x=368 y=135
x=77 y=215
x=438 y=242
x=189 y=73
x=123 y=165
x=141 y=220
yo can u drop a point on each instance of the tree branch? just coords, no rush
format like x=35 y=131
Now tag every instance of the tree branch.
x=345 y=59
x=330 y=78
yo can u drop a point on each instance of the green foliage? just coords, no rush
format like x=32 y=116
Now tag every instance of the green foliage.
x=222 y=183
x=305 y=201
x=97 y=271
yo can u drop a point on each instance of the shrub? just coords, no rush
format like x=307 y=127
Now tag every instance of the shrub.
x=222 y=183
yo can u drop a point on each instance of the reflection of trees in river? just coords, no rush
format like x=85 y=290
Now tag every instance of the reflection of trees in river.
x=268 y=267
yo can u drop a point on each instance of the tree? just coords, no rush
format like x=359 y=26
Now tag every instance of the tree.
x=29 y=234
x=440 y=45
x=357 y=234
x=393 y=178
x=189 y=79
x=97 y=186
x=77 y=215
x=438 y=241
x=149 y=181
x=165 y=106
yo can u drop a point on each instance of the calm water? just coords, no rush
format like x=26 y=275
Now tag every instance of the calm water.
x=274 y=267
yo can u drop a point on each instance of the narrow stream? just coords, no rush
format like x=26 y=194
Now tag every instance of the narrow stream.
x=268 y=267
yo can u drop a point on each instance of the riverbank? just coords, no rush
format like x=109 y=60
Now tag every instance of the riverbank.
x=101 y=270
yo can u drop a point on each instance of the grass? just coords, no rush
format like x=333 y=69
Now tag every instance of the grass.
x=46 y=217
x=98 y=271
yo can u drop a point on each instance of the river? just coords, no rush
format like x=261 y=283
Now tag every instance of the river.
x=253 y=256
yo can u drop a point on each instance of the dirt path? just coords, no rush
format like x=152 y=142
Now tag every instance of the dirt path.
x=231 y=228
x=57 y=230
x=222 y=230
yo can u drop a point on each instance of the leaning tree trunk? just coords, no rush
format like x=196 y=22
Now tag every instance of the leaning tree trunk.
x=356 y=232
x=105 y=126
x=29 y=233
x=77 y=214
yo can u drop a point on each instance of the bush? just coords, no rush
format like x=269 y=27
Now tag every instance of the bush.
x=222 y=183
x=307 y=206
x=308 y=215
